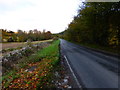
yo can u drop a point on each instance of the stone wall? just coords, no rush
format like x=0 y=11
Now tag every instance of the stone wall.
x=12 y=57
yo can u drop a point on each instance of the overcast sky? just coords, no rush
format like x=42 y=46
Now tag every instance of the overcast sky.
x=52 y=15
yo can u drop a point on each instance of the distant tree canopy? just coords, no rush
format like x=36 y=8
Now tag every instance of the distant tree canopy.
x=22 y=36
x=97 y=23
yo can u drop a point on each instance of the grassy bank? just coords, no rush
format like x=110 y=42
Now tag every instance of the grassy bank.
x=99 y=47
x=44 y=62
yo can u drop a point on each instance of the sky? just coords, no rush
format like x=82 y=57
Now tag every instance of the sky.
x=51 y=15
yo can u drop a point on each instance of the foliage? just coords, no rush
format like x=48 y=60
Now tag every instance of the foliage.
x=45 y=61
x=22 y=36
x=96 y=23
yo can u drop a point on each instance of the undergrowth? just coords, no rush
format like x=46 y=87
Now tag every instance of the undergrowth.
x=45 y=60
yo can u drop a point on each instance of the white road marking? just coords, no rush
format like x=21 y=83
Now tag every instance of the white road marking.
x=72 y=72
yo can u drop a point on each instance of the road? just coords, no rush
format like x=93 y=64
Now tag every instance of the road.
x=92 y=69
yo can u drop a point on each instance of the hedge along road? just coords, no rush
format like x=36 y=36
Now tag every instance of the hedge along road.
x=92 y=69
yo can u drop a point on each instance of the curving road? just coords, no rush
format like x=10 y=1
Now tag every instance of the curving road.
x=92 y=69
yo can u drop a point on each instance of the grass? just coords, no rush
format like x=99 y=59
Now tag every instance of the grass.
x=45 y=60
x=99 y=47
x=25 y=42
x=35 y=42
x=50 y=51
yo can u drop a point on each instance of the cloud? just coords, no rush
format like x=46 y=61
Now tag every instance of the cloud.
x=52 y=15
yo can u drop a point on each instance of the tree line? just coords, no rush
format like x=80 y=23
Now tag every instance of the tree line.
x=22 y=36
x=96 y=23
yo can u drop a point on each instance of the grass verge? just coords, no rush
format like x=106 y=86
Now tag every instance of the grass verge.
x=45 y=61
x=99 y=47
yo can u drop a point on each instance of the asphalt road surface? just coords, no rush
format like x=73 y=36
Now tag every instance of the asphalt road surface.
x=92 y=69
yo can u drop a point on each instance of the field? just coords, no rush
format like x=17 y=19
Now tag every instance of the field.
x=12 y=45
x=18 y=44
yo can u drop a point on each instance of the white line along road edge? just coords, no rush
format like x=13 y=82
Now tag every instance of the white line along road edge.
x=72 y=72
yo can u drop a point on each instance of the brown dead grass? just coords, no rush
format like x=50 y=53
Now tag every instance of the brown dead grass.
x=20 y=44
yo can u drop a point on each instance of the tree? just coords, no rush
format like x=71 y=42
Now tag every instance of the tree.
x=96 y=23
